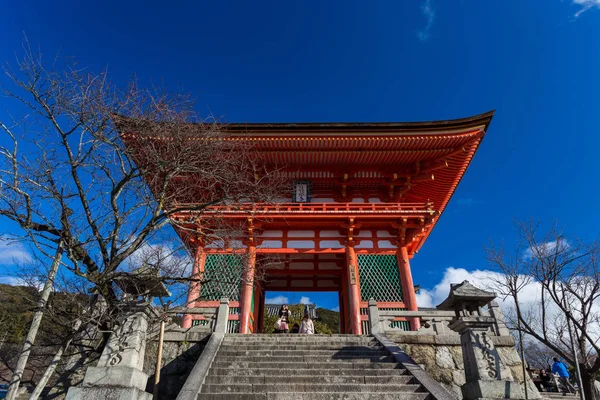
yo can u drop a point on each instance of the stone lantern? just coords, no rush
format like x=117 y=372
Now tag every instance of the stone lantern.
x=485 y=374
x=118 y=374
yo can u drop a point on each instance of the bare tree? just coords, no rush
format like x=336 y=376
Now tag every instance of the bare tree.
x=567 y=276
x=100 y=173
x=538 y=355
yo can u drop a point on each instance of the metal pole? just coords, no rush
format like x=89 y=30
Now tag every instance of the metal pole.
x=158 y=360
x=573 y=349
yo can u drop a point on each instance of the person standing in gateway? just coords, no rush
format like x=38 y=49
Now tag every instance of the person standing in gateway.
x=560 y=369
x=284 y=316
x=307 y=325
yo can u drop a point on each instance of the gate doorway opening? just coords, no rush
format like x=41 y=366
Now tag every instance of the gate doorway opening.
x=322 y=307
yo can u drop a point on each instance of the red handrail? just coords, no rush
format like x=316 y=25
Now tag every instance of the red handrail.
x=321 y=207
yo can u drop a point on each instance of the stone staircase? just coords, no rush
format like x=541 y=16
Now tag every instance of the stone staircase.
x=318 y=367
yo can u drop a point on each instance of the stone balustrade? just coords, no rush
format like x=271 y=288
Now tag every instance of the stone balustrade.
x=386 y=320
x=433 y=321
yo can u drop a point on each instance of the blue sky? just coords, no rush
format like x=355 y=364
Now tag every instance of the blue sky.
x=536 y=63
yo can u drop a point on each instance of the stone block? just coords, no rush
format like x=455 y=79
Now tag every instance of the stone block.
x=443 y=357
x=442 y=375
x=116 y=376
x=415 y=339
x=454 y=390
x=503 y=340
x=509 y=355
x=449 y=340
x=422 y=354
x=517 y=372
x=104 y=393
x=492 y=390
x=174 y=336
x=195 y=336
x=458 y=377
x=457 y=356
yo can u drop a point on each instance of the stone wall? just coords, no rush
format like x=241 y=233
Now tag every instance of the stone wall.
x=181 y=350
x=441 y=357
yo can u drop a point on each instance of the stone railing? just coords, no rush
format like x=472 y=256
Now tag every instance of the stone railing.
x=382 y=320
x=433 y=322
x=207 y=315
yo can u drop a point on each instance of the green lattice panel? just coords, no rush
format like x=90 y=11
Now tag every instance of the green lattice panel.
x=379 y=277
x=223 y=277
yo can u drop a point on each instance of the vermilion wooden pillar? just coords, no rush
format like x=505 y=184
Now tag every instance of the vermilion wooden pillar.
x=353 y=291
x=246 y=290
x=194 y=290
x=408 y=287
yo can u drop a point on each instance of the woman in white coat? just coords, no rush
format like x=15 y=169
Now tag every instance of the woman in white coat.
x=307 y=326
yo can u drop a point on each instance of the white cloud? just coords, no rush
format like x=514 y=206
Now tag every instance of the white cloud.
x=12 y=280
x=429 y=12
x=483 y=279
x=12 y=252
x=585 y=5
x=17 y=281
x=546 y=249
x=529 y=296
x=277 y=300
x=425 y=298
x=171 y=261
x=336 y=309
x=305 y=300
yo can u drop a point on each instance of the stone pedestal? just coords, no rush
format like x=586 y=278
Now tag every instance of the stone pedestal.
x=486 y=375
x=118 y=374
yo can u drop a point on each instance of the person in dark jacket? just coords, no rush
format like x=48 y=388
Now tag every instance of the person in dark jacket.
x=546 y=381
x=284 y=316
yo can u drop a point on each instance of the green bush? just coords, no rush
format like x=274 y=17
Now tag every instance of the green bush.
x=327 y=325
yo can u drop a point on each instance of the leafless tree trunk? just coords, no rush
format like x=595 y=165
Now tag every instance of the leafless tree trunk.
x=104 y=172
x=567 y=277
x=35 y=325
x=53 y=364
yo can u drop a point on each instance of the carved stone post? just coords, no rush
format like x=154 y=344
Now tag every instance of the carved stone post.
x=222 y=316
x=486 y=375
x=374 y=321
x=118 y=374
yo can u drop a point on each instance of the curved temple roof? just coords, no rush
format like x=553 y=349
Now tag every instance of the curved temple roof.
x=416 y=162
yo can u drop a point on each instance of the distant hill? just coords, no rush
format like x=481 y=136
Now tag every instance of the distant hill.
x=329 y=318
x=17 y=305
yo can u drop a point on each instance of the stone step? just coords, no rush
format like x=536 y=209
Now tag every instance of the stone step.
x=306 y=347
x=304 y=365
x=314 y=396
x=307 y=387
x=276 y=379
x=321 y=338
x=295 y=342
x=557 y=395
x=298 y=336
x=306 y=372
x=330 y=353
x=308 y=358
x=275 y=335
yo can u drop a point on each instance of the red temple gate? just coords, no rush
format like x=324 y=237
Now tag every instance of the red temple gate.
x=364 y=198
